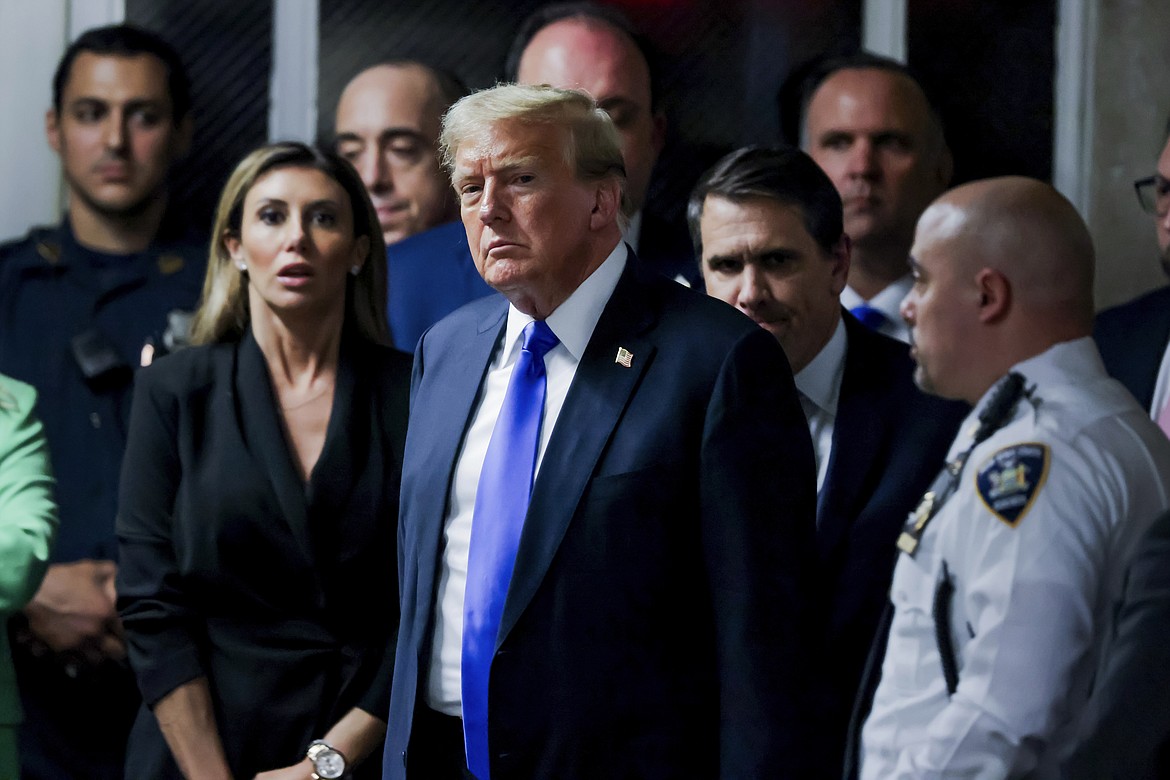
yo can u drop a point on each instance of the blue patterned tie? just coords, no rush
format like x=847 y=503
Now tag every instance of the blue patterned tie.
x=501 y=502
x=869 y=316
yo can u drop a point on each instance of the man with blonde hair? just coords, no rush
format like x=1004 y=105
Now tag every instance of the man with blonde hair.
x=1011 y=565
x=608 y=492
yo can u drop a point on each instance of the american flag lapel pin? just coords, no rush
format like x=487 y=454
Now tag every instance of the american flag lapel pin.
x=624 y=357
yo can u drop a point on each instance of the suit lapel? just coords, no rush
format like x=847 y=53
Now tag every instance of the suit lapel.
x=265 y=439
x=597 y=397
x=453 y=390
x=859 y=439
x=344 y=456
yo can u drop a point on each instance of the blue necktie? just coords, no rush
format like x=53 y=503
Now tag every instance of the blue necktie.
x=501 y=502
x=869 y=316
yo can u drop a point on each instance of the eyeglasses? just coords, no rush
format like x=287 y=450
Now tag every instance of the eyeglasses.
x=1153 y=192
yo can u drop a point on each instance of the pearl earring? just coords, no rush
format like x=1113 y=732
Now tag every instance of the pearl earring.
x=242 y=266
x=354 y=270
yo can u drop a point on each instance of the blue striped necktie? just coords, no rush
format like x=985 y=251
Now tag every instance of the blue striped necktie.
x=869 y=316
x=501 y=502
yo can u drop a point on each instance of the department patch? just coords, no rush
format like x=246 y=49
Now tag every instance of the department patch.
x=1009 y=481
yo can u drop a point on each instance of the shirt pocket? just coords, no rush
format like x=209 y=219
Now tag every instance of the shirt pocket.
x=912 y=661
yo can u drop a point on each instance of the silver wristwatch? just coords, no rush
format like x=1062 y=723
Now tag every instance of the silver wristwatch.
x=328 y=763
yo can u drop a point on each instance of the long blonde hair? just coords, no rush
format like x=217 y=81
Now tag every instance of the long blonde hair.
x=223 y=314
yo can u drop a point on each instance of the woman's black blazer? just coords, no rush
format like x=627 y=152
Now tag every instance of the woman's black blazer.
x=282 y=594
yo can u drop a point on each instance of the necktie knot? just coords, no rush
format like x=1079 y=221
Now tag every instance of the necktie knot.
x=538 y=338
x=869 y=316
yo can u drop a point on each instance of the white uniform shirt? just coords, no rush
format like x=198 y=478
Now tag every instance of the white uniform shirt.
x=889 y=303
x=572 y=323
x=1030 y=609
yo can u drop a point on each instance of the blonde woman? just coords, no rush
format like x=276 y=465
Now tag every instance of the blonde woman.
x=259 y=493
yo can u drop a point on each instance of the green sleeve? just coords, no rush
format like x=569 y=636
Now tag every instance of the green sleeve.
x=28 y=512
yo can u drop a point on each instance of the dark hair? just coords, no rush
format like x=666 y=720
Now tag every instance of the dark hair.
x=611 y=17
x=125 y=40
x=780 y=173
x=223 y=312
x=817 y=72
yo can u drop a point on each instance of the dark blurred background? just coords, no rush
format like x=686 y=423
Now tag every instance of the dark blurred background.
x=988 y=63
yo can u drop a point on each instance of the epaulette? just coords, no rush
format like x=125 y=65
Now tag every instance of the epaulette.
x=39 y=243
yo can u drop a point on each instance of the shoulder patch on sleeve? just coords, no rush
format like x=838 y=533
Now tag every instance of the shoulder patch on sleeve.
x=1009 y=481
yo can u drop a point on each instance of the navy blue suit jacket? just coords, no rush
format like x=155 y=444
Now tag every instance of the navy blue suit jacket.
x=889 y=441
x=666 y=247
x=1132 y=338
x=431 y=275
x=655 y=625
x=1125 y=728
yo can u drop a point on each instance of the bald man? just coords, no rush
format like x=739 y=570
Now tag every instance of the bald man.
x=582 y=45
x=1012 y=563
x=387 y=125
x=869 y=125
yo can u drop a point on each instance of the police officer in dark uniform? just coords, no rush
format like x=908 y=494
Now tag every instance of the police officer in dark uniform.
x=81 y=306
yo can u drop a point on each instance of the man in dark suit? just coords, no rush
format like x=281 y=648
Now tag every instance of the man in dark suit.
x=1134 y=338
x=583 y=45
x=387 y=125
x=638 y=609
x=870 y=125
x=767 y=223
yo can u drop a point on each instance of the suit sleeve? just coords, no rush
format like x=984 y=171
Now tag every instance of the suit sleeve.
x=758 y=497
x=28 y=513
x=1127 y=719
x=156 y=612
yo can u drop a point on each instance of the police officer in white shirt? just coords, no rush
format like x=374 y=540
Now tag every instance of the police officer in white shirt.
x=1014 y=560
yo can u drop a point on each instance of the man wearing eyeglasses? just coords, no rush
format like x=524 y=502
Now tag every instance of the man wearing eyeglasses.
x=1134 y=338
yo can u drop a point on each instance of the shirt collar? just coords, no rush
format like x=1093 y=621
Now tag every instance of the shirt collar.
x=820 y=380
x=889 y=300
x=1062 y=363
x=574 y=320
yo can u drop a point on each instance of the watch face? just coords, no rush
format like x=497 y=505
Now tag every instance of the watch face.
x=329 y=764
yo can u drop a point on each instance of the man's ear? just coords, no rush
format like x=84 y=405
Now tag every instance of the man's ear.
x=995 y=295
x=181 y=144
x=607 y=201
x=946 y=167
x=658 y=133
x=53 y=130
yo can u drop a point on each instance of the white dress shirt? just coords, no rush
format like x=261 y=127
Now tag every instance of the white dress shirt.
x=888 y=302
x=819 y=384
x=572 y=323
